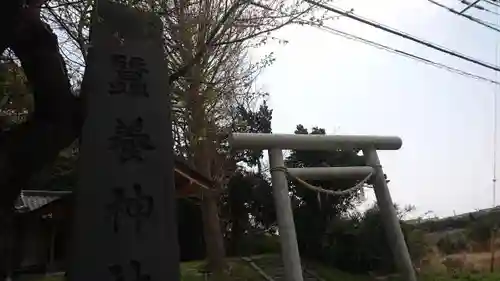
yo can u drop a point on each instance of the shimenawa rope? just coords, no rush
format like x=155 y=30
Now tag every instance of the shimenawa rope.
x=357 y=187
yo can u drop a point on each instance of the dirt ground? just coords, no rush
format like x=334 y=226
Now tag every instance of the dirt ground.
x=479 y=261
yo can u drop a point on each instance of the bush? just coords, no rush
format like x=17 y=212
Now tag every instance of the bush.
x=452 y=243
x=480 y=232
x=257 y=244
x=416 y=242
x=359 y=244
x=264 y=244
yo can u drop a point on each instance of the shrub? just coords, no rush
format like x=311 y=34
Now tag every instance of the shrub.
x=264 y=244
x=416 y=242
x=452 y=243
x=256 y=244
x=359 y=244
x=480 y=232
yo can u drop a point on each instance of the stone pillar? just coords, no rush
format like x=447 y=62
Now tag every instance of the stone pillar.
x=125 y=227
x=284 y=214
x=390 y=219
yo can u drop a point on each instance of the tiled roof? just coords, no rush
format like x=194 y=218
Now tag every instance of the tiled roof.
x=30 y=200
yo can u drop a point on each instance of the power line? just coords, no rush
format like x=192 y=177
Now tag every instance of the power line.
x=495 y=124
x=471 y=18
x=494 y=180
x=406 y=54
x=495 y=101
x=407 y=36
x=495 y=107
x=469 y=6
x=492 y=3
x=478 y=7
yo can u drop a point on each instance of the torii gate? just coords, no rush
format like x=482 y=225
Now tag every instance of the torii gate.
x=275 y=143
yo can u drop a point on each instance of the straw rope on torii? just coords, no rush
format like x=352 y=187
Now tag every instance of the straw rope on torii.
x=369 y=145
x=358 y=186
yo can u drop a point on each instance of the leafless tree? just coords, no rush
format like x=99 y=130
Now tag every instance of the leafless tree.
x=207 y=44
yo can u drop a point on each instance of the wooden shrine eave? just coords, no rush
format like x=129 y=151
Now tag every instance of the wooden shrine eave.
x=188 y=183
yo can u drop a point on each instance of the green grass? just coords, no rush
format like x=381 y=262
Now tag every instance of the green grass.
x=190 y=271
x=462 y=277
x=238 y=271
x=241 y=271
x=45 y=278
x=329 y=274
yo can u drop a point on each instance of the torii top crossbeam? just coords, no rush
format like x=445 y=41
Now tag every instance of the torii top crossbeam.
x=313 y=142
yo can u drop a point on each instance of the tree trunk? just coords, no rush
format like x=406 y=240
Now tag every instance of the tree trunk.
x=214 y=242
x=202 y=159
x=56 y=122
x=236 y=234
x=27 y=148
x=213 y=235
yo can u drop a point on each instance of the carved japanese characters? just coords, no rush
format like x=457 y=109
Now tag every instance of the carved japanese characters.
x=130 y=72
x=137 y=207
x=130 y=141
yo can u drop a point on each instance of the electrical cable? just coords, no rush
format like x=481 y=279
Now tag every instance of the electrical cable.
x=469 y=6
x=495 y=90
x=492 y=3
x=407 y=54
x=471 y=18
x=493 y=231
x=495 y=122
x=494 y=180
x=481 y=8
x=404 y=35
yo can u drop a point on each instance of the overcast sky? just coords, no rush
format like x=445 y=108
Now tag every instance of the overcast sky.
x=444 y=119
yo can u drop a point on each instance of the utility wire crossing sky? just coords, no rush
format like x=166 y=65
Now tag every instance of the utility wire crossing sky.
x=447 y=123
x=405 y=35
